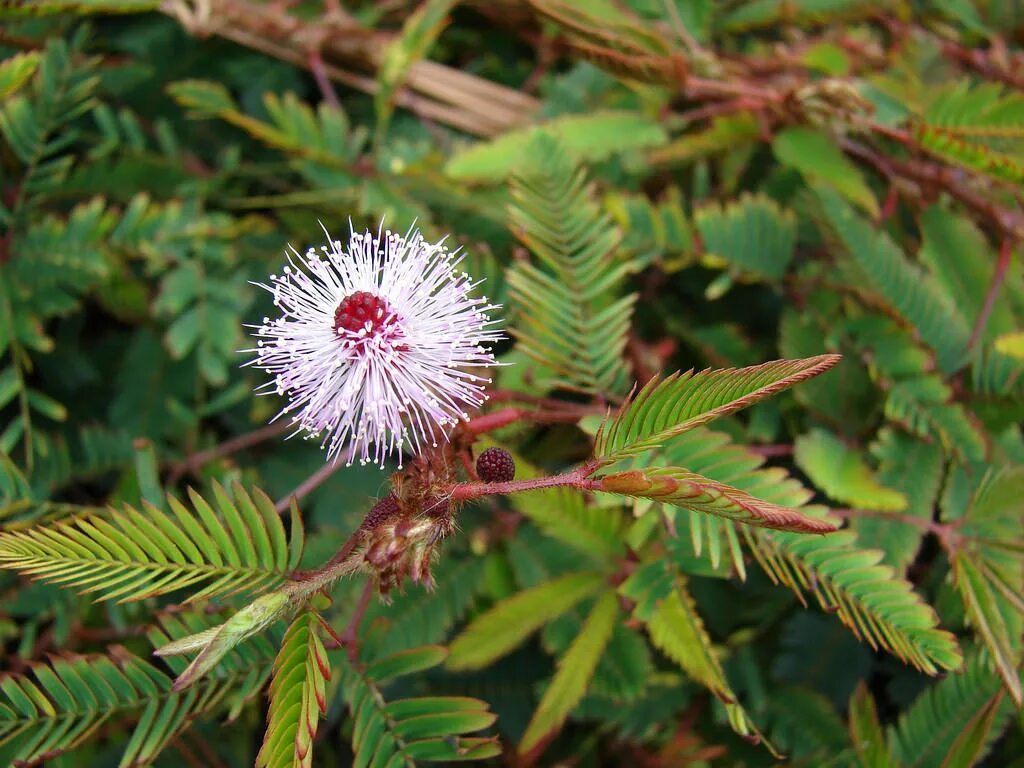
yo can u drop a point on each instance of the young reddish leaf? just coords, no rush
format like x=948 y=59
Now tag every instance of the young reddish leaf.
x=682 y=488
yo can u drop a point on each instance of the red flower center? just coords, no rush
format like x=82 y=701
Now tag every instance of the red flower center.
x=365 y=315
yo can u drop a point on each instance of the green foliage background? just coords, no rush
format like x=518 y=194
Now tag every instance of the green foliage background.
x=646 y=186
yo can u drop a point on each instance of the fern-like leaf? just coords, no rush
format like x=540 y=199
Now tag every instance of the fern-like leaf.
x=403 y=731
x=879 y=608
x=497 y=631
x=570 y=317
x=867 y=596
x=671 y=406
x=752 y=235
x=988 y=570
x=298 y=696
x=926 y=731
x=876 y=262
x=62 y=703
x=129 y=554
x=980 y=128
x=674 y=485
x=670 y=615
x=574 y=673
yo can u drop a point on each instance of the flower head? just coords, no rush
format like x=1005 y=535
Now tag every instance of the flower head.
x=376 y=344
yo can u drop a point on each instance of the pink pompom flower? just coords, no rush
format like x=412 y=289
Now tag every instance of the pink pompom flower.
x=378 y=346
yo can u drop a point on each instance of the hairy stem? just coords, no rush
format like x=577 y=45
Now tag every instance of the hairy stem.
x=577 y=478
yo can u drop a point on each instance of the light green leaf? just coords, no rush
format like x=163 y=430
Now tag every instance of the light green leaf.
x=128 y=554
x=1011 y=344
x=842 y=473
x=584 y=138
x=817 y=157
x=574 y=671
x=419 y=32
x=664 y=604
x=16 y=70
x=752 y=234
x=505 y=625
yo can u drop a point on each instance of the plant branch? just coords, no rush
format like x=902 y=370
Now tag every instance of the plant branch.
x=577 y=478
x=195 y=461
x=495 y=420
x=350 y=637
x=311 y=483
x=1002 y=265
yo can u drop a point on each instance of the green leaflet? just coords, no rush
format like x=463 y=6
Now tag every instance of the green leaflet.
x=298 y=696
x=574 y=672
x=386 y=733
x=818 y=158
x=586 y=138
x=505 y=625
x=570 y=316
x=842 y=473
x=128 y=554
x=866 y=730
x=988 y=570
x=753 y=235
x=674 y=626
x=666 y=408
x=928 y=729
x=15 y=71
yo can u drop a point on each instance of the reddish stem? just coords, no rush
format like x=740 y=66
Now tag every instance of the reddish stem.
x=196 y=460
x=490 y=422
x=323 y=82
x=311 y=483
x=350 y=637
x=577 y=478
x=1002 y=265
